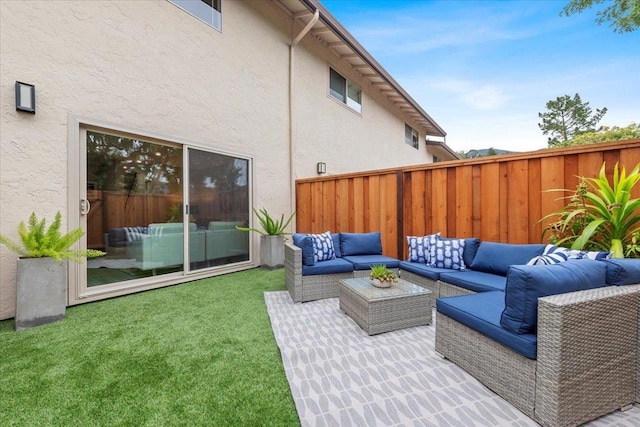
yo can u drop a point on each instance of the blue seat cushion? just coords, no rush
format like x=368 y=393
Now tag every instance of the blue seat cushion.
x=482 y=312
x=475 y=281
x=622 y=272
x=305 y=242
x=423 y=270
x=497 y=257
x=527 y=283
x=360 y=244
x=364 y=262
x=332 y=266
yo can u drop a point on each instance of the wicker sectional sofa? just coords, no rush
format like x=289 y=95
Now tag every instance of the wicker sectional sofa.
x=569 y=352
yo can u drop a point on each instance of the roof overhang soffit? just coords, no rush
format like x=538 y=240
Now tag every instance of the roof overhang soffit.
x=342 y=44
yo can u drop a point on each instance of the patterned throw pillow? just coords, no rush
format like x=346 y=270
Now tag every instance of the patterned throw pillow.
x=596 y=255
x=323 y=247
x=418 y=249
x=554 y=255
x=431 y=240
x=448 y=254
x=555 y=258
x=135 y=233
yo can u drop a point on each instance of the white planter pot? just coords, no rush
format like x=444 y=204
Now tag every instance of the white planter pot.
x=272 y=251
x=41 y=292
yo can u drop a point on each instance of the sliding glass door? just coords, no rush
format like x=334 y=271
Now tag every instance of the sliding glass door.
x=159 y=209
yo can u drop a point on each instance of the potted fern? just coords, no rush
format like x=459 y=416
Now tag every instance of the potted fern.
x=271 y=238
x=41 y=286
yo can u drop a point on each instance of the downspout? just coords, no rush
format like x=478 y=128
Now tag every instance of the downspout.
x=292 y=177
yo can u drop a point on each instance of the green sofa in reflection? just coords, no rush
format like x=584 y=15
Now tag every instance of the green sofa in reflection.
x=163 y=246
x=225 y=241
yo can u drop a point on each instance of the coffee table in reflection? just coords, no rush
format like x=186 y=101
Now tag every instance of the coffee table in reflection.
x=378 y=310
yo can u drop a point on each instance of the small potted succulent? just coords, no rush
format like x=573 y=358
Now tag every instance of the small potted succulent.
x=381 y=276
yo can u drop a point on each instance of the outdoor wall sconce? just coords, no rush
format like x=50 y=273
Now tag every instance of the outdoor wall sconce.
x=25 y=97
x=322 y=168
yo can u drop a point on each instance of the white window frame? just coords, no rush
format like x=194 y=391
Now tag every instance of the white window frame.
x=346 y=99
x=411 y=136
x=194 y=8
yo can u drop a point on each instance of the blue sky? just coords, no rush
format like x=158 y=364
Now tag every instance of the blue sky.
x=484 y=69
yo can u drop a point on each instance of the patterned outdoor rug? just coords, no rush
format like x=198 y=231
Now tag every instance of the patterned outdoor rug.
x=340 y=376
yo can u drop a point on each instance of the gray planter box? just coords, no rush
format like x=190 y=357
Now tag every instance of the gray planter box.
x=272 y=251
x=41 y=294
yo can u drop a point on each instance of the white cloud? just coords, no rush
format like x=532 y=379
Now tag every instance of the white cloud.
x=415 y=31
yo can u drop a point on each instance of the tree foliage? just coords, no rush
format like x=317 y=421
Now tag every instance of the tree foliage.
x=607 y=134
x=622 y=15
x=567 y=117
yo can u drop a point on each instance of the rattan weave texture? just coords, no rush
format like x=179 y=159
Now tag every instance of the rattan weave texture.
x=586 y=365
x=376 y=310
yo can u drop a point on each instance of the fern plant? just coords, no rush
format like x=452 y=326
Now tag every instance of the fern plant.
x=38 y=241
x=270 y=226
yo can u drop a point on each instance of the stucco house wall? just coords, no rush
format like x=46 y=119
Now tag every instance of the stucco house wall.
x=151 y=67
x=331 y=132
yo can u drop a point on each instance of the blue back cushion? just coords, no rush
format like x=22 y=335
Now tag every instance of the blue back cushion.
x=527 y=283
x=497 y=257
x=360 y=244
x=622 y=272
x=305 y=242
x=336 y=244
x=471 y=246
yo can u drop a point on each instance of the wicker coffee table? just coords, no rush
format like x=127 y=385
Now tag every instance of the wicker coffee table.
x=379 y=310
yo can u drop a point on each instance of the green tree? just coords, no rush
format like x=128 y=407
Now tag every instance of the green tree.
x=567 y=117
x=608 y=134
x=491 y=151
x=623 y=15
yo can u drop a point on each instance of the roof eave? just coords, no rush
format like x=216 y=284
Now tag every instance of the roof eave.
x=441 y=150
x=348 y=39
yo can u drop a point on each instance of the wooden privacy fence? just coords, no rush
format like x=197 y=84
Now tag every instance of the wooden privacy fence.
x=497 y=198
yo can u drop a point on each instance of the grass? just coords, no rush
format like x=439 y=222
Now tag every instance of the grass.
x=200 y=353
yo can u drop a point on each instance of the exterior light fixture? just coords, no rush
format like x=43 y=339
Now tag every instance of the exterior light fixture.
x=25 y=97
x=322 y=168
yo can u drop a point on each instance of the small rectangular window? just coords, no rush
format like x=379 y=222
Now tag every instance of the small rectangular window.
x=208 y=11
x=411 y=136
x=345 y=91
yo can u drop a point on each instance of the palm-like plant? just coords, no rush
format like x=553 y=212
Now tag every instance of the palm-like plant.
x=600 y=215
x=39 y=241
x=270 y=226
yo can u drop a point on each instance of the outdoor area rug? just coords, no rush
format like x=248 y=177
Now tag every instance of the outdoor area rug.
x=340 y=376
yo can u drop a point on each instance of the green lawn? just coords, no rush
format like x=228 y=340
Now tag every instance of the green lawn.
x=200 y=353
